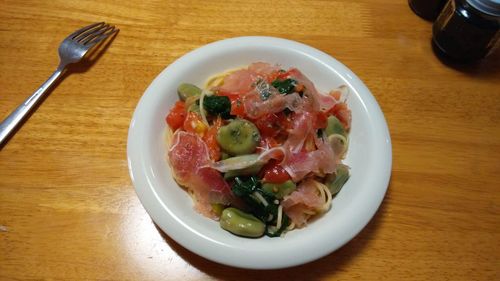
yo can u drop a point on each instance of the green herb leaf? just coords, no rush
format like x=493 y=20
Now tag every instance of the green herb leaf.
x=271 y=230
x=244 y=186
x=249 y=189
x=285 y=86
x=218 y=105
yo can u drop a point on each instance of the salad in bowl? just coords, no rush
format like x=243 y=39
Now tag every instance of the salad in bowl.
x=238 y=149
x=259 y=148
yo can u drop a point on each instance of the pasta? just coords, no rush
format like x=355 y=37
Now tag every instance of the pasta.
x=259 y=148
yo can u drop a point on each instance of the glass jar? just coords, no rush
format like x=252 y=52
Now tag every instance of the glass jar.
x=427 y=9
x=467 y=30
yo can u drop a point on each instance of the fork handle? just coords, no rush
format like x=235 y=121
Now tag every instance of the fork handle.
x=8 y=126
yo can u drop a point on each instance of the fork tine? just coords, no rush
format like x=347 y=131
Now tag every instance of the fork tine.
x=96 y=33
x=102 y=37
x=83 y=29
x=81 y=37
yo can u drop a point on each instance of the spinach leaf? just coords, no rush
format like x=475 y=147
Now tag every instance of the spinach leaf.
x=285 y=86
x=244 y=186
x=249 y=189
x=271 y=230
x=218 y=105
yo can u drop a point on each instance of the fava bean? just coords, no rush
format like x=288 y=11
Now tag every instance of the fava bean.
x=336 y=181
x=241 y=223
x=334 y=127
x=186 y=90
x=238 y=137
x=279 y=190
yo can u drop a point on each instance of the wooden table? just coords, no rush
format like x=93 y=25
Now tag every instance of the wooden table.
x=68 y=210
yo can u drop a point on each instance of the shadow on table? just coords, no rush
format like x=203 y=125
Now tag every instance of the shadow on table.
x=326 y=266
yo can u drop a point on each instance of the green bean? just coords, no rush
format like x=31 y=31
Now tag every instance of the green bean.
x=241 y=223
x=186 y=90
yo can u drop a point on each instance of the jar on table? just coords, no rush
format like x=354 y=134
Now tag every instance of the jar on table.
x=427 y=9
x=467 y=30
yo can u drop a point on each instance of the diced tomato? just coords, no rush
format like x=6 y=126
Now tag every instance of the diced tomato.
x=299 y=88
x=336 y=94
x=268 y=125
x=285 y=121
x=273 y=76
x=321 y=120
x=176 y=116
x=292 y=72
x=237 y=107
x=272 y=172
x=268 y=142
x=343 y=113
x=194 y=123
x=272 y=125
x=210 y=138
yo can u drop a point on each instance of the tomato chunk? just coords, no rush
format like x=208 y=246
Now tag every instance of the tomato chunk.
x=272 y=172
x=321 y=120
x=176 y=116
x=210 y=138
x=193 y=123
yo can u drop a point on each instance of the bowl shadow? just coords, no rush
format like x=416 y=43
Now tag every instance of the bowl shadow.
x=329 y=265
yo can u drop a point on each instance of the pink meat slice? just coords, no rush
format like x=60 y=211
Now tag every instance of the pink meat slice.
x=189 y=159
x=304 y=202
x=319 y=162
x=316 y=100
x=263 y=69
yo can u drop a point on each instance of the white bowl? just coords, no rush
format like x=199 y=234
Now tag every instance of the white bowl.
x=369 y=156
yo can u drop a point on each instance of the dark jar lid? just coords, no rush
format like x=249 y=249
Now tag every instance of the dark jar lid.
x=491 y=7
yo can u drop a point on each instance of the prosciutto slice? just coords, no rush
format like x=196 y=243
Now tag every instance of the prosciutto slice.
x=255 y=107
x=189 y=159
x=243 y=81
x=304 y=202
x=238 y=82
x=319 y=162
x=301 y=130
x=316 y=100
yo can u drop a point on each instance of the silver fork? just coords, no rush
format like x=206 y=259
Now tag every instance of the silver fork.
x=72 y=50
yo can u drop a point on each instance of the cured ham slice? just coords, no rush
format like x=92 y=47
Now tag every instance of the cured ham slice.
x=243 y=80
x=263 y=69
x=255 y=107
x=343 y=113
x=301 y=130
x=238 y=83
x=317 y=101
x=189 y=159
x=319 y=162
x=304 y=202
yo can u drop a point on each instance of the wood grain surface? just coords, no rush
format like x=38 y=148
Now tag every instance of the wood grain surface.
x=68 y=210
